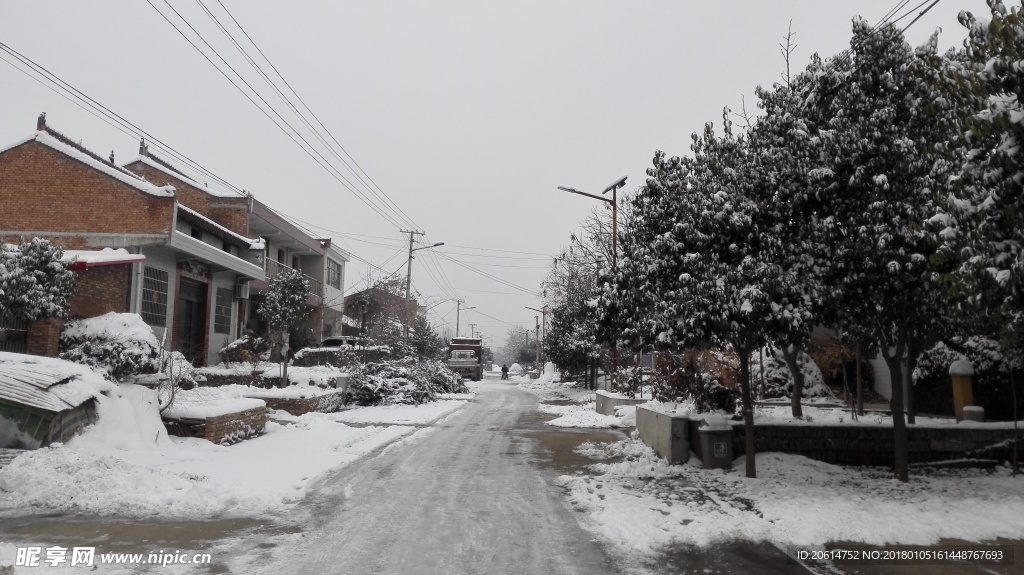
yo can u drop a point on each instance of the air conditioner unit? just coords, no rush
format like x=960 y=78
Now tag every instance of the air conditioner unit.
x=242 y=290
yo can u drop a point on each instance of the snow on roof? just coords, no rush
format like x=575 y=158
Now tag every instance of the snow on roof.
x=47 y=383
x=51 y=141
x=254 y=244
x=159 y=164
x=85 y=259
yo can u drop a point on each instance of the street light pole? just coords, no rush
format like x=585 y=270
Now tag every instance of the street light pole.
x=614 y=201
x=408 y=276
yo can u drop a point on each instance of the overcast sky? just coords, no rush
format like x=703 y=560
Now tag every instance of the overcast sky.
x=468 y=115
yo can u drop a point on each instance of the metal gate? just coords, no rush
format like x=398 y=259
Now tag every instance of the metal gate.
x=13 y=335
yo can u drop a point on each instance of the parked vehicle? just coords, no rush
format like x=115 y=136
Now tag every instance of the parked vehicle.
x=466 y=357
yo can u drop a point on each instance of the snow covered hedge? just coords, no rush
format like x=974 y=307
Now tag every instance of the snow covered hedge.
x=933 y=388
x=117 y=344
x=406 y=381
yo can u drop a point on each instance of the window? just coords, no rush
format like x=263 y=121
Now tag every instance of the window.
x=154 y=297
x=280 y=256
x=222 y=311
x=333 y=274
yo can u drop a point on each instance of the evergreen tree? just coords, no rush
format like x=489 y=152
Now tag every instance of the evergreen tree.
x=880 y=116
x=34 y=283
x=284 y=308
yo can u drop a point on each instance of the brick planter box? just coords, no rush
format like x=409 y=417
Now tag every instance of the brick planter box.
x=226 y=428
x=325 y=403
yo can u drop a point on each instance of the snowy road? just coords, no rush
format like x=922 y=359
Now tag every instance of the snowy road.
x=463 y=499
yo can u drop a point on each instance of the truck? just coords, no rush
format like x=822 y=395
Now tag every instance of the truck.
x=466 y=357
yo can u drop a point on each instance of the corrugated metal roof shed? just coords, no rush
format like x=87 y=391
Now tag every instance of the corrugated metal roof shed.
x=43 y=386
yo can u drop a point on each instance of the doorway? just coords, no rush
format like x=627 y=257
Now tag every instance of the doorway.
x=192 y=320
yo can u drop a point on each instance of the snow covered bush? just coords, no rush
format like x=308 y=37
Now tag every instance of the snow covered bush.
x=117 y=344
x=34 y=282
x=401 y=382
x=933 y=387
x=778 y=381
x=695 y=376
x=246 y=349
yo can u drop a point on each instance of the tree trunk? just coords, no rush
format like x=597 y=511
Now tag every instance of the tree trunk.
x=284 y=361
x=846 y=389
x=894 y=362
x=748 y=410
x=790 y=354
x=1016 y=430
x=860 y=394
x=911 y=363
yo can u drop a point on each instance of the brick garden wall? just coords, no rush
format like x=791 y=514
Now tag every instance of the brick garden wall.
x=322 y=403
x=234 y=427
x=854 y=445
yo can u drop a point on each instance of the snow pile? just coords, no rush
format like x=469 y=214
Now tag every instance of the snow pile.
x=515 y=369
x=118 y=344
x=126 y=465
x=643 y=504
x=547 y=389
x=580 y=416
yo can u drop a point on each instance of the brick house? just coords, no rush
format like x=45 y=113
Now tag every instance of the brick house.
x=375 y=311
x=194 y=241
x=289 y=247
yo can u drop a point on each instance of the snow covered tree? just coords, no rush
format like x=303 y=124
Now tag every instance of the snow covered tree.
x=284 y=308
x=984 y=221
x=34 y=282
x=881 y=117
x=784 y=164
x=692 y=271
x=425 y=340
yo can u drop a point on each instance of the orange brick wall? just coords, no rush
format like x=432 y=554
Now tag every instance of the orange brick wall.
x=101 y=290
x=232 y=213
x=41 y=189
x=43 y=336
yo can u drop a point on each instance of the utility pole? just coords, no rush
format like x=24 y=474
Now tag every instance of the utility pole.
x=458 y=307
x=472 y=330
x=408 y=277
x=537 y=321
x=543 y=327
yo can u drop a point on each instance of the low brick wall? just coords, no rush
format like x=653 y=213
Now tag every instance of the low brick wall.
x=322 y=403
x=852 y=445
x=667 y=435
x=606 y=404
x=841 y=444
x=227 y=428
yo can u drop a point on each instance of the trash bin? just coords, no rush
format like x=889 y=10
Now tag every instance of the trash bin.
x=341 y=382
x=716 y=442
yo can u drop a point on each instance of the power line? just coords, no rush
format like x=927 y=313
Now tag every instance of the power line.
x=321 y=124
x=136 y=131
x=309 y=149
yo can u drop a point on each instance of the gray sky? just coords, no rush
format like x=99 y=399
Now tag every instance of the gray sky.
x=468 y=115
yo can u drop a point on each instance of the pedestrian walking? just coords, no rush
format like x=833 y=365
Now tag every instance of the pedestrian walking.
x=504 y=371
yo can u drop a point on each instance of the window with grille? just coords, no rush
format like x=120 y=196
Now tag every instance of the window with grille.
x=154 y=297
x=333 y=274
x=222 y=311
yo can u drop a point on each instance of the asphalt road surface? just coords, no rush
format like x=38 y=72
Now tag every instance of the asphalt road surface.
x=462 y=499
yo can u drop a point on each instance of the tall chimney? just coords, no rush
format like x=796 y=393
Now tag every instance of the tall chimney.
x=41 y=122
x=143 y=148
